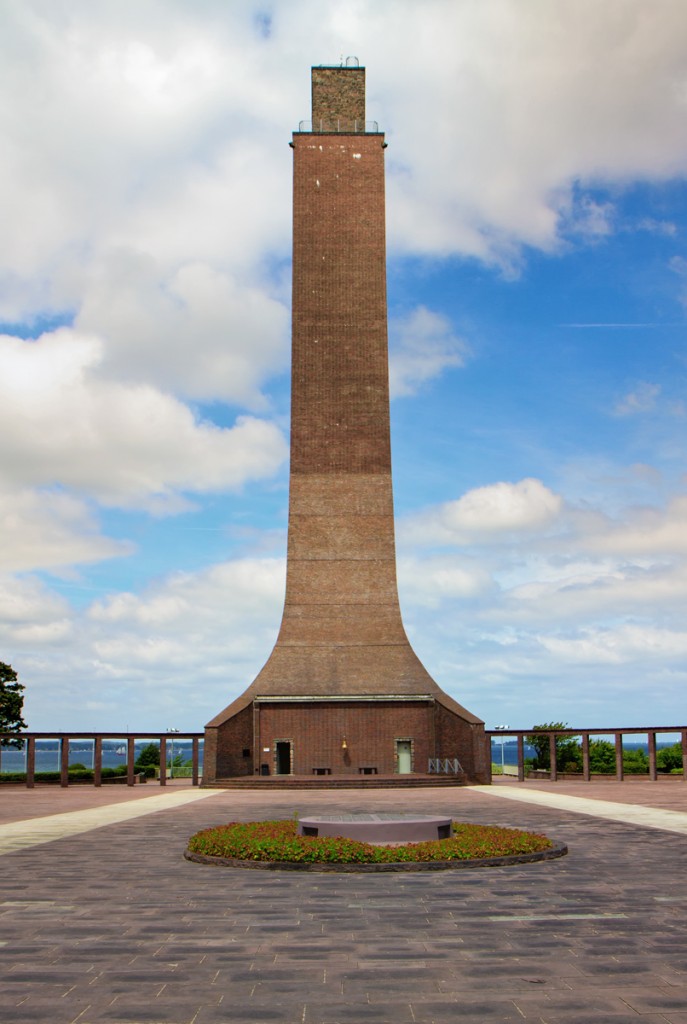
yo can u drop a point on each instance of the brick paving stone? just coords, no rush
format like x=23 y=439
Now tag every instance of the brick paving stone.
x=117 y=914
x=350 y=1013
x=242 y=1013
x=573 y=1017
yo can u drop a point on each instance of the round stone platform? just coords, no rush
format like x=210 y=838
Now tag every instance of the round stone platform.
x=377 y=828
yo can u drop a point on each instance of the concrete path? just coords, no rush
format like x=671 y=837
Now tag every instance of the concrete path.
x=18 y=835
x=647 y=816
x=113 y=925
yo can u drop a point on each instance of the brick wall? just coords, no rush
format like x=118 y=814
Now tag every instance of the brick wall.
x=465 y=740
x=340 y=375
x=317 y=732
x=338 y=99
x=230 y=741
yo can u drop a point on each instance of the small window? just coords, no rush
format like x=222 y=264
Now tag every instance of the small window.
x=246 y=752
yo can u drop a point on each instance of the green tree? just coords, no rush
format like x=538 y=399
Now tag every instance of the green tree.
x=568 y=751
x=669 y=759
x=149 y=755
x=601 y=757
x=11 y=705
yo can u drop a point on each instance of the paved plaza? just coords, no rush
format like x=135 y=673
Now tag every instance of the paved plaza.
x=102 y=920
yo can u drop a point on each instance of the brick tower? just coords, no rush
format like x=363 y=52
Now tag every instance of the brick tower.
x=343 y=692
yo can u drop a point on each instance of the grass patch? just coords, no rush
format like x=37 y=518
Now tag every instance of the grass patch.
x=279 y=841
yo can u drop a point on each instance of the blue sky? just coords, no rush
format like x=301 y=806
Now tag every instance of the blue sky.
x=537 y=271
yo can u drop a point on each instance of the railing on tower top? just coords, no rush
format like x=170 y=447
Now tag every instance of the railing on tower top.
x=585 y=734
x=126 y=740
x=343 y=126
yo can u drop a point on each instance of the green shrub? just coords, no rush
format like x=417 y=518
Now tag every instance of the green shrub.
x=635 y=762
x=74 y=776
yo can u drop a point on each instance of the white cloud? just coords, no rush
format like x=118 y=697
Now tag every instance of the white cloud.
x=30 y=612
x=185 y=646
x=161 y=129
x=422 y=346
x=597 y=593
x=515 y=108
x=130 y=446
x=145 y=196
x=431 y=581
x=562 y=564
x=643 y=399
x=643 y=531
x=588 y=218
x=199 y=333
x=490 y=513
x=49 y=529
x=629 y=643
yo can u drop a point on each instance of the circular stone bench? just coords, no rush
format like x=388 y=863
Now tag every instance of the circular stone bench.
x=380 y=829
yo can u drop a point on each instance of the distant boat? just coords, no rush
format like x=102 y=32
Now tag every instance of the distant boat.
x=120 y=751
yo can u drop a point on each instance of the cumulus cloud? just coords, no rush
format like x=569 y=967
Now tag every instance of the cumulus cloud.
x=130 y=446
x=562 y=565
x=31 y=615
x=644 y=531
x=145 y=192
x=431 y=581
x=199 y=333
x=50 y=529
x=509 y=156
x=629 y=643
x=423 y=344
x=596 y=592
x=496 y=511
x=187 y=644
x=161 y=129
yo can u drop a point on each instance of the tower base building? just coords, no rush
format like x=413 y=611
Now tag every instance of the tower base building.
x=343 y=692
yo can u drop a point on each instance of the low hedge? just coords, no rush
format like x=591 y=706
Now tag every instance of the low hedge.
x=74 y=775
x=279 y=841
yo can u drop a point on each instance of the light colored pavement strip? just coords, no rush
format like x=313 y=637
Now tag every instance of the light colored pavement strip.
x=18 y=835
x=631 y=814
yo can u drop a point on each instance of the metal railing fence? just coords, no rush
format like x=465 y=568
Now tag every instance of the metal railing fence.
x=128 y=740
x=339 y=126
x=585 y=735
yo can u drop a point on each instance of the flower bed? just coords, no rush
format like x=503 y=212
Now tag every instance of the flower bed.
x=276 y=843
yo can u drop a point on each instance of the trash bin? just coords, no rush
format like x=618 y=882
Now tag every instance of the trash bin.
x=264 y=769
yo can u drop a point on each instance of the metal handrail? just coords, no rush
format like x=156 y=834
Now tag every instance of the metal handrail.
x=339 y=126
x=552 y=734
x=444 y=765
x=29 y=740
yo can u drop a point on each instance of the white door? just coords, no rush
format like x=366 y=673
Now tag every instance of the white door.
x=403 y=761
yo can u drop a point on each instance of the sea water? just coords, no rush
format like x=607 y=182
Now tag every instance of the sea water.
x=510 y=748
x=81 y=752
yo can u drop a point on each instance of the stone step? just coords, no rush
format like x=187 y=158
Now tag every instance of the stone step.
x=270 y=782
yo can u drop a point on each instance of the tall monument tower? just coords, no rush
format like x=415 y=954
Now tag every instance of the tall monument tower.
x=343 y=692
